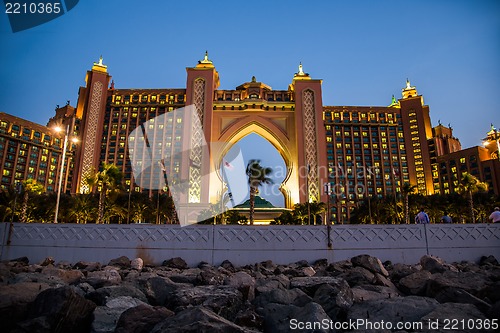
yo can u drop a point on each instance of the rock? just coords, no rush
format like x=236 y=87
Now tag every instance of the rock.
x=61 y=309
x=47 y=261
x=101 y=295
x=491 y=292
x=358 y=276
x=190 y=275
x=399 y=309
x=370 y=292
x=435 y=265
x=249 y=318
x=158 y=289
x=226 y=264
x=415 y=284
x=455 y=311
x=14 y=301
x=468 y=281
x=211 y=277
x=106 y=317
x=268 y=264
x=175 y=263
x=141 y=319
x=494 y=312
x=107 y=277
x=244 y=283
x=88 y=266
x=372 y=264
x=282 y=296
x=69 y=276
x=226 y=301
x=456 y=295
x=321 y=263
x=21 y=260
x=336 y=299
x=121 y=262
x=400 y=271
x=271 y=282
x=286 y=318
x=137 y=264
x=310 y=284
x=197 y=319
x=488 y=260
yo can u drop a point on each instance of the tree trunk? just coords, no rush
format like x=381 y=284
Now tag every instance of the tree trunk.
x=407 y=213
x=471 y=207
x=24 y=210
x=252 y=203
x=100 y=215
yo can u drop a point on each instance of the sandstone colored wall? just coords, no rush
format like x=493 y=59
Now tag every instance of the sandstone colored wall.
x=246 y=245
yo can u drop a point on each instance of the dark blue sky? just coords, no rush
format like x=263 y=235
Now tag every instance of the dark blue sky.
x=363 y=51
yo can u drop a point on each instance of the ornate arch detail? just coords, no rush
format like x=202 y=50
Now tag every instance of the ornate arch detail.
x=195 y=156
x=91 y=135
x=310 y=145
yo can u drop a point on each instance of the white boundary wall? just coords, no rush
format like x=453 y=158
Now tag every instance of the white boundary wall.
x=247 y=245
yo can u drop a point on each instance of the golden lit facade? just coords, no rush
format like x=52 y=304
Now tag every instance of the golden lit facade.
x=32 y=151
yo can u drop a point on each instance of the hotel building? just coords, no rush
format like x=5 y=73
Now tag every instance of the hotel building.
x=360 y=151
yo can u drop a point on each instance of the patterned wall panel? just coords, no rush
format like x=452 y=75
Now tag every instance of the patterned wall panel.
x=310 y=144
x=196 y=155
x=91 y=137
x=248 y=245
x=445 y=236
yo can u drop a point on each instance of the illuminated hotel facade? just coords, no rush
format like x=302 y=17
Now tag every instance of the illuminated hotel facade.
x=360 y=151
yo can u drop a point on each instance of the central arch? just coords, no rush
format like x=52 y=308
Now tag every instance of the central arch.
x=268 y=131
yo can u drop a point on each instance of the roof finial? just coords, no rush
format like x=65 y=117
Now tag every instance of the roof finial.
x=301 y=71
x=408 y=86
x=206 y=56
x=254 y=79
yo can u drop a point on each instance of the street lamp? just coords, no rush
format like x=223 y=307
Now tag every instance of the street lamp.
x=65 y=145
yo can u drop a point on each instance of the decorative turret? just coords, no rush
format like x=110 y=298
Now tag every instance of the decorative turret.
x=99 y=66
x=205 y=63
x=409 y=91
x=394 y=102
x=300 y=75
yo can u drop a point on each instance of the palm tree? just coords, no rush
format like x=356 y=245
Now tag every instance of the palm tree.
x=107 y=180
x=257 y=176
x=469 y=185
x=407 y=189
x=316 y=208
x=30 y=186
x=83 y=208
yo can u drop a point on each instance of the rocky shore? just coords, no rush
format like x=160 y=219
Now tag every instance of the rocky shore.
x=358 y=295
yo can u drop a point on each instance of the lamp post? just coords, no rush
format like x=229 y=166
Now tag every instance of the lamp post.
x=65 y=145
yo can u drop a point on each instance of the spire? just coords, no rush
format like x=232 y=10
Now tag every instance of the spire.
x=301 y=71
x=409 y=90
x=205 y=59
x=254 y=79
x=99 y=66
x=394 y=102
x=301 y=75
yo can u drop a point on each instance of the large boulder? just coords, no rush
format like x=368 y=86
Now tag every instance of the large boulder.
x=226 y=301
x=142 y=318
x=198 y=319
x=415 y=284
x=14 y=301
x=101 y=295
x=58 y=310
x=399 y=309
x=244 y=282
x=372 y=264
x=456 y=295
x=159 y=289
x=463 y=318
x=120 y=262
x=335 y=298
x=282 y=296
x=435 y=264
x=286 y=318
x=107 y=277
x=106 y=316
x=175 y=263
x=471 y=282
x=370 y=292
x=310 y=284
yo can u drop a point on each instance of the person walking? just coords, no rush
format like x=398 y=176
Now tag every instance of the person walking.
x=495 y=216
x=422 y=217
x=446 y=218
